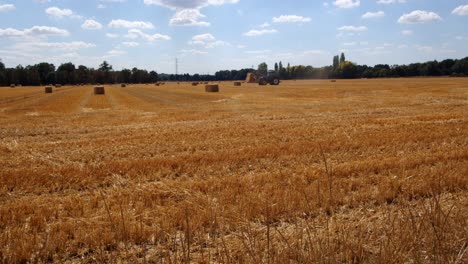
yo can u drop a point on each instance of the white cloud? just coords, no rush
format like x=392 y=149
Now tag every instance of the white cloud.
x=352 y=28
x=424 y=48
x=101 y=6
x=7 y=7
x=264 y=25
x=193 y=52
x=254 y=32
x=188 y=12
x=207 y=40
x=136 y=33
x=111 y=35
x=407 y=32
x=373 y=14
x=34 y=32
x=188 y=17
x=386 y=2
x=115 y=52
x=64 y=46
x=91 y=24
x=241 y=46
x=257 y=51
x=347 y=3
x=203 y=38
x=461 y=10
x=184 y=4
x=59 y=13
x=130 y=44
x=291 y=19
x=419 y=17
x=121 y=23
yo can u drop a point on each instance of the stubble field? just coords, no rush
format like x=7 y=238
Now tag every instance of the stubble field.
x=359 y=171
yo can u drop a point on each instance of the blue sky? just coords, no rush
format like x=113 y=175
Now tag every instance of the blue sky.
x=210 y=35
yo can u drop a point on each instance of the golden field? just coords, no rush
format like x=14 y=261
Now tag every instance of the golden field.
x=357 y=171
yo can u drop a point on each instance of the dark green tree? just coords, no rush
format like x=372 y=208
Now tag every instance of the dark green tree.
x=263 y=68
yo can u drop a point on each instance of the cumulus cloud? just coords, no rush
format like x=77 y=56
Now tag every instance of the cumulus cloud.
x=419 y=17
x=188 y=12
x=136 y=33
x=131 y=44
x=353 y=28
x=254 y=32
x=188 y=17
x=192 y=52
x=206 y=40
x=373 y=14
x=59 y=13
x=461 y=10
x=347 y=3
x=386 y=2
x=91 y=24
x=65 y=46
x=121 y=23
x=33 y=32
x=193 y=4
x=7 y=7
x=112 y=35
x=291 y=19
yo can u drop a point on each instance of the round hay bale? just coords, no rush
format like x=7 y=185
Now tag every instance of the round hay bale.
x=333 y=80
x=123 y=85
x=237 y=84
x=12 y=85
x=99 y=90
x=48 y=89
x=58 y=85
x=194 y=84
x=212 y=88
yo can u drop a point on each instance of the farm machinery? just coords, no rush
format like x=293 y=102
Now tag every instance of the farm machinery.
x=271 y=78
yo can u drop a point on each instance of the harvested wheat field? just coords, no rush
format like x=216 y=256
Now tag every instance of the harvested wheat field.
x=359 y=171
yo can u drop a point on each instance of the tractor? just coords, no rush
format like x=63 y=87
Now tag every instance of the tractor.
x=271 y=78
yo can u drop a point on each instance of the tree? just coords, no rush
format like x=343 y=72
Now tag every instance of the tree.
x=348 y=70
x=263 y=68
x=44 y=70
x=276 y=67
x=342 y=58
x=336 y=62
x=82 y=74
x=280 y=65
x=66 y=73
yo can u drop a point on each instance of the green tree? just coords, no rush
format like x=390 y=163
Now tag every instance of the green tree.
x=263 y=68
x=342 y=58
x=336 y=62
x=276 y=67
x=44 y=70
x=348 y=70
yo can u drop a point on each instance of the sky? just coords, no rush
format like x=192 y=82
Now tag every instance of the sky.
x=210 y=35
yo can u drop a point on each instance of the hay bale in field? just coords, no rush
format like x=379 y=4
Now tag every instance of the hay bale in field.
x=12 y=85
x=194 y=84
x=58 y=85
x=251 y=78
x=48 y=89
x=123 y=85
x=333 y=80
x=237 y=84
x=157 y=84
x=212 y=88
x=99 y=90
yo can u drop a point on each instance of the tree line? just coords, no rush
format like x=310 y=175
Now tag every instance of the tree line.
x=67 y=73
